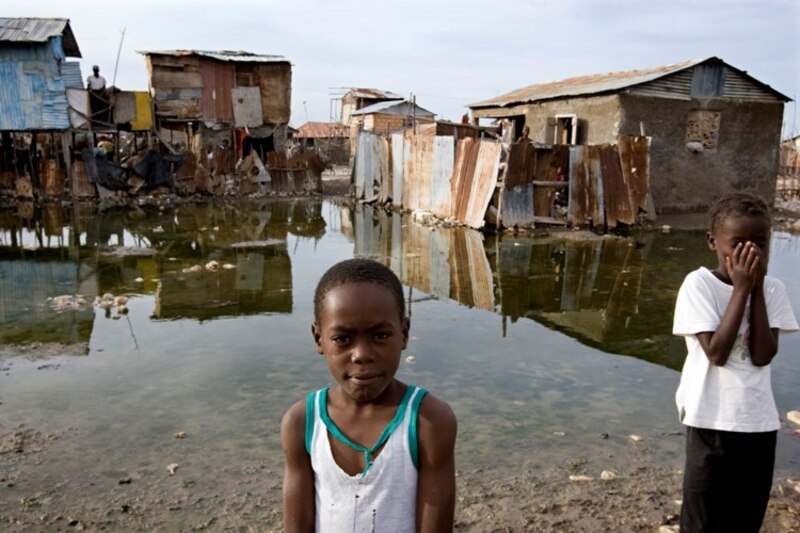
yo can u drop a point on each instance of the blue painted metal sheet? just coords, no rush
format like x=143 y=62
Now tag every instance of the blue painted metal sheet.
x=32 y=90
x=71 y=72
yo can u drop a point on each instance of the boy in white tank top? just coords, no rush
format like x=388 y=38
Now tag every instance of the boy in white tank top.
x=369 y=453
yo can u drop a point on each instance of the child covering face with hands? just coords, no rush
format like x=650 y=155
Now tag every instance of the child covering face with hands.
x=731 y=318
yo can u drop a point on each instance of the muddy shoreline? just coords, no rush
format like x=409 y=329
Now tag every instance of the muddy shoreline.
x=246 y=496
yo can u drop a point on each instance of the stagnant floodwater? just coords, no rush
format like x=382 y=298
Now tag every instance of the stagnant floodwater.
x=541 y=345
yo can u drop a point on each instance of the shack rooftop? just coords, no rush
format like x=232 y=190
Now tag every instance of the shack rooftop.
x=39 y=30
x=221 y=55
x=609 y=82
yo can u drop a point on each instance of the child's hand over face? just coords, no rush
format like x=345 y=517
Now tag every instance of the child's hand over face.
x=746 y=266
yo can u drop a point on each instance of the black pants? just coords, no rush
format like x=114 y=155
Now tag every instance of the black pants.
x=727 y=480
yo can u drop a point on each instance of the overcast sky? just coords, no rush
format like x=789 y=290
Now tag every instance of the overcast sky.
x=447 y=53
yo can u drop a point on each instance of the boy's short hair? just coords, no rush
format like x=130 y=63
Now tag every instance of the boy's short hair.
x=737 y=204
x=358 y=271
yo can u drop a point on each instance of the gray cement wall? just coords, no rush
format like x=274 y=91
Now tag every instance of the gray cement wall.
x=598 y=117
x=746 y=158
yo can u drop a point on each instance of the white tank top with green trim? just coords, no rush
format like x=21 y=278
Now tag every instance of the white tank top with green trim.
x=384 y=496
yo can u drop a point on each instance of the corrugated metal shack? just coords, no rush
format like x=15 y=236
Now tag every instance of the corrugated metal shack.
x=331 y=140
x=714 y=128
x=32 y=73
x=231 y=104
x=360 y=97
x=34 y=77
x=387 y=117
x=466 y=182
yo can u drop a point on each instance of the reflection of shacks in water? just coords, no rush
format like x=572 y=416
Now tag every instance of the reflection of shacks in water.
x=588 y=287
x=150 y=250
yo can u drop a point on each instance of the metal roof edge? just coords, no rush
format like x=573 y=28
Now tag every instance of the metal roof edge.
x=489 y=103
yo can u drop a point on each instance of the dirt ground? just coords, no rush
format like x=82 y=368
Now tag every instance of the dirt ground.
x=642 y=496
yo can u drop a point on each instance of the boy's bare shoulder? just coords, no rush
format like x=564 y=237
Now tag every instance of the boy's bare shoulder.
x=437 y=412
x=295 y=417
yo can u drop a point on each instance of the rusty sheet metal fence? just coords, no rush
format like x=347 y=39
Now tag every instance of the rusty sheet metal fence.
x=599 y=184
x=602 y=185
x=428 y=173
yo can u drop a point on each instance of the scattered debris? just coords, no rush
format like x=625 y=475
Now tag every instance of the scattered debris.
x=580 y=478
x=608 y=475
x=410 y=359
x=124 y=481
x=228 y=266
x=212 y=266
x=635 y=438
x=180 y=435
x=172 y=468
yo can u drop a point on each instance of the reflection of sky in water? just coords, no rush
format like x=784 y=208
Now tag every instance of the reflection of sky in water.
x=514 y=378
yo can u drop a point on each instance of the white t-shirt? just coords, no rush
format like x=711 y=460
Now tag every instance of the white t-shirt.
x=96 y=83
x=738 y=395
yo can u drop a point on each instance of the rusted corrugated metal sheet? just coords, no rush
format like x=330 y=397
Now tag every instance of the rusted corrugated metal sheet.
x=417 y=175
x=634 y=155
x=246 y=103
x=582 y=190
x=520 y=165
x=442 y=173
x=463 y=174
x=483 y=183
x=550 y=164
x=219 y=79
x=616 y=191
x=399 y=152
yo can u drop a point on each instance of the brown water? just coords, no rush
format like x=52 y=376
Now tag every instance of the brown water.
x=541 y=345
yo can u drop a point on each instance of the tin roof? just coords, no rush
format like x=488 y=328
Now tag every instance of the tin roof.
x=601 y=83
x=220 y=55
x=377 y=94
x=313 y=130
x=39 y=30
x=393 y=107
